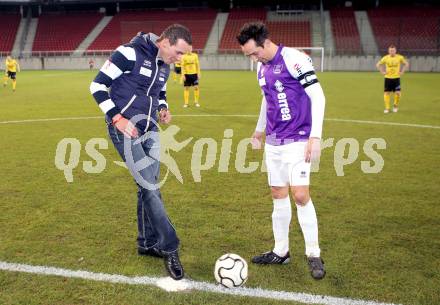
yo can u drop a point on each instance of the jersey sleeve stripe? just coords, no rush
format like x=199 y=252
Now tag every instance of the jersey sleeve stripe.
x=128 y=52
x=106 y=105
x=100 y=96
x=308 y=73
x=163 y=96
x=314 y=81
x=103 y=79
x=95 y=87
x=122 y=62
x=307 y=79
x=163 y=103
x=111 y=70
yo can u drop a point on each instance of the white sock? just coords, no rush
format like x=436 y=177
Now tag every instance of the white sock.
x=309 y=226
x=281 y=216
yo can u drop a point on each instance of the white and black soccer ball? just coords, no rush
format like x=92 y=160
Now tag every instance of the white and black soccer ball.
x=231 y=270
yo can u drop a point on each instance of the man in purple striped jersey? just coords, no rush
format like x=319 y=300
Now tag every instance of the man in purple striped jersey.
x=292 y=113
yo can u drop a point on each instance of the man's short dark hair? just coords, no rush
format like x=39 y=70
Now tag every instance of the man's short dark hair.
x=175 y=32
x=392 y=46
x=253 y=30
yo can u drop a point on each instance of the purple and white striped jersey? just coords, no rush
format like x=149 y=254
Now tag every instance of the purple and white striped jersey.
x=283 y=81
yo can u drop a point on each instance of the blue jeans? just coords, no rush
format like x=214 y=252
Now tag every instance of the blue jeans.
x=154 y=227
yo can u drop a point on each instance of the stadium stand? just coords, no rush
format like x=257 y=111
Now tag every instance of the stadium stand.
x=63 y=32
x=290 y=33
x=9 y=25
x=413 y=30
x=236 y=19
x=345 y=32
x=126 y=24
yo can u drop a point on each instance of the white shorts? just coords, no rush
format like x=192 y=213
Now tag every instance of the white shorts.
x=286 y=165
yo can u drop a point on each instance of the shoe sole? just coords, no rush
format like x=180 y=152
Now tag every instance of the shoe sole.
x=176 y=279
x=286 y=261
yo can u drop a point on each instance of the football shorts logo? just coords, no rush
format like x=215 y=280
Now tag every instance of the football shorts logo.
x=303 y=174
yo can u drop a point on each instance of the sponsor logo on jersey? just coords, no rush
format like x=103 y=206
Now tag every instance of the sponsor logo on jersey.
x=282 y=101
x=279 y=86
x=147 y=63
x=297 y=67
x=145 y=71
x=277 y=69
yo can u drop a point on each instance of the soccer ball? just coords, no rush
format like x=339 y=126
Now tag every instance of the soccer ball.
x=231 y=270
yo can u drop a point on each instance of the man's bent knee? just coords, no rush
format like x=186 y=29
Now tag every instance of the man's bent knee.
x=279 y=192
x=301 y=195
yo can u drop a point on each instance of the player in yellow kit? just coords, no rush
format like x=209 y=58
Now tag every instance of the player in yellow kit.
x=392 y=72
x=191 y=75
x=177 y=72
x=11 y=69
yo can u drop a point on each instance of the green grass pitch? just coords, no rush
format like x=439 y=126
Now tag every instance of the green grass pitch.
x=379 y=233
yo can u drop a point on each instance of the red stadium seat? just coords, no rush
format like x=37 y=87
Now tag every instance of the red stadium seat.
x=289 y=33
x=412 y=30
x=236 y=19
x=63 y=32
x=126 y=24
x=9 y=25
x=345 y=32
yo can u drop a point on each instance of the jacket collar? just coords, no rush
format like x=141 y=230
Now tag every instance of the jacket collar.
x=147 y=43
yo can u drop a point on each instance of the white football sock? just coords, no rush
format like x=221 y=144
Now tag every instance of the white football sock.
x=309 y=226
x=281 y=216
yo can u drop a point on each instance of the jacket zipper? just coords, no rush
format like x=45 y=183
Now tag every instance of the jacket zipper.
x=129 y=103
x=149 y=113
x=151 y=99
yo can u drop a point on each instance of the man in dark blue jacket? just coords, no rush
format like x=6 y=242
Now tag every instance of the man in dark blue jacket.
x=130 y=89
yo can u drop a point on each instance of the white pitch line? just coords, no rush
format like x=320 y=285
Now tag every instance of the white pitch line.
x=52 y=119
x=193 y=285
x=229 y=115
x=384 y=123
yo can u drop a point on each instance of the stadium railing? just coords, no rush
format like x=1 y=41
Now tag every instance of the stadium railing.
x=71 y=53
